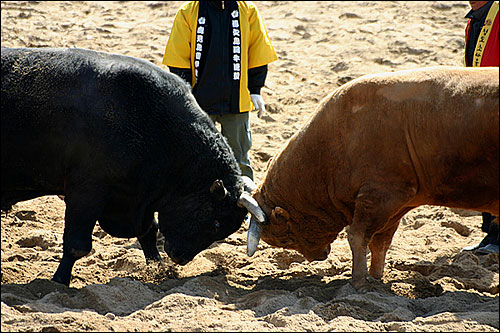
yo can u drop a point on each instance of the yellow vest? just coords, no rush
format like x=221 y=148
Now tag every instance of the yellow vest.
x=256 y=47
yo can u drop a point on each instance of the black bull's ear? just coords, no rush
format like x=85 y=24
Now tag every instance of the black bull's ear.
x=218 y=190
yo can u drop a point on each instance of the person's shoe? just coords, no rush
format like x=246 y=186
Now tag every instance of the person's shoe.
x=490 y=248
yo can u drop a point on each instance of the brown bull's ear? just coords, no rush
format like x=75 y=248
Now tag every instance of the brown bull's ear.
x=218 y=190
x=280 y=214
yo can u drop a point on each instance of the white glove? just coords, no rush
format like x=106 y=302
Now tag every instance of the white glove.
x=258 y=103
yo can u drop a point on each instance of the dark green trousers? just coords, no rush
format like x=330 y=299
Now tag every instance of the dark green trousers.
x=236 y=129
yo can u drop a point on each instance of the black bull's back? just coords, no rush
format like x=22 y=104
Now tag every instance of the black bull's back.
x=121 y=139
x=63 y=110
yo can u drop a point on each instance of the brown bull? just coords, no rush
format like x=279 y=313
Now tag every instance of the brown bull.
x=376 y=148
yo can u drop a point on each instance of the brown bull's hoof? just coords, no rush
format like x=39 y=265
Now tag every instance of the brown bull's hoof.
x=363 y=285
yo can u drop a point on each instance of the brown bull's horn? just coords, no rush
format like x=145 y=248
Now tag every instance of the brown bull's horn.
x=246 y=201
x=248 y=184
x=258 y=218
x=254 y=232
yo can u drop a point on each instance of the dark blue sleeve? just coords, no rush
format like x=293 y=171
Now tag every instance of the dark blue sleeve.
x=256 y=79
x=184 y=73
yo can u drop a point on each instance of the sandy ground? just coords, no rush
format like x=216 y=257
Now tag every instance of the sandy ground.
x=428 y=284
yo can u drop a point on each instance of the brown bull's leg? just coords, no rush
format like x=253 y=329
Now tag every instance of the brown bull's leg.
x=379 y=245
x=373 y=210
x=358 y=246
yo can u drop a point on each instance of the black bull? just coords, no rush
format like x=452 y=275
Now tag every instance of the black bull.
x=121 y=139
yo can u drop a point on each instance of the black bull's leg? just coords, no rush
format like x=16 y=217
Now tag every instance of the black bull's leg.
x=148 y=242
x=83 y=207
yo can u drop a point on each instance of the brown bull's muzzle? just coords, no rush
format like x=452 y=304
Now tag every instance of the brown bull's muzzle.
x=318 y=255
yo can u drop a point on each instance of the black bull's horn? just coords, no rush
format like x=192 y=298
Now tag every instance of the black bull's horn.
x=257 y=219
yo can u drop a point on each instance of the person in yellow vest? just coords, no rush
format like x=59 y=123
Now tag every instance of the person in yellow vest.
x=481 y=50
x=222 y=49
